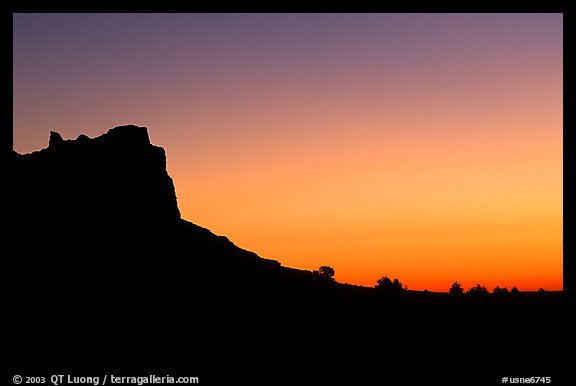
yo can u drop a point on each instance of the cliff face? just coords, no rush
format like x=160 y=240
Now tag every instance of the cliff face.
x=94 y=221
x=99 y=255
x=114 y=179
x=90 y=227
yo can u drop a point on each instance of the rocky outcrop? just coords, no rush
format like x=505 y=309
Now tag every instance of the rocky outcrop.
x=116 y=178
x=55 y=139
x=94 y=220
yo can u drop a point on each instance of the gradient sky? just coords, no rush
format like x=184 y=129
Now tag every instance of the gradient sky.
x=424 y=147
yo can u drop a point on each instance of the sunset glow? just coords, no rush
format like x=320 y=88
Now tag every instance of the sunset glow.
x=423 y=147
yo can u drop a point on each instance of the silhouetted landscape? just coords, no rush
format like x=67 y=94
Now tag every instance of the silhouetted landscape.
x=103 y=268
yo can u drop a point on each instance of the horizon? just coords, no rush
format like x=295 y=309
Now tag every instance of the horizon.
x=426 y=148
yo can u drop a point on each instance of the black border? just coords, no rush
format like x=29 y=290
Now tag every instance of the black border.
x=569 y=260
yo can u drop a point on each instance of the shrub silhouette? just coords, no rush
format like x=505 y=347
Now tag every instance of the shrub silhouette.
x=477 y=291
x=514 y=291
x=325 y=272
x=384 y=282
x=456 y=289
x=500 y=291
x=389 y=286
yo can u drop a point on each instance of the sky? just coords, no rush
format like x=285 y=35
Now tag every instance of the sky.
x=423 y=147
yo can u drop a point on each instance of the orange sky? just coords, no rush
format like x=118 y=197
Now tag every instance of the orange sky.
x=426 y=148
x=415 y=208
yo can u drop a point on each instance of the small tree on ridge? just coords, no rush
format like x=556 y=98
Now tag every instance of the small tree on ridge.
x=325 y=272
x=456 y=289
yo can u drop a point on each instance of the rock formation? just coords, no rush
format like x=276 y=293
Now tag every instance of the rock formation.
x=95 y=223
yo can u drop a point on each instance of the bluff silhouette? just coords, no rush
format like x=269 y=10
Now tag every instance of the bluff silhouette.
x=97 y=239
x=101 y=265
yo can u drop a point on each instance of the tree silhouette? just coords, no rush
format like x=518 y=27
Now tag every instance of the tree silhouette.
x=477 y=291
x=514 y=291
x=396 y=285
x=500 y=291
x=456 y=289
x=389 y=286
x=384 y=282
x=325 y=272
